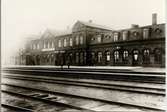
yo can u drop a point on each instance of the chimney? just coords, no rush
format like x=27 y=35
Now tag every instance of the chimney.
x=154 y=19
x=90 y=21
x=134 y=26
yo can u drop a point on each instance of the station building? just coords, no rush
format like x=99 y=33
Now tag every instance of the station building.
x=89 y=44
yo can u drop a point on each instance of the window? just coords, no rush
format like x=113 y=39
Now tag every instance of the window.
x=99 y=39
x=59 y=43
x=116 y=56
x=125 y=54
x=125 y=34
x=37 y=46
x=77 y=57
x=65 y=42
x=158 y=56
x=44 y=45
x=115 y=37
x=107 y=56
x=146 y=57
x=34 y=46
x=135 y=54
x=48 y=45
x=145 y=33
x=81 y=57
x=70 y=41
x=52 y=44
x=81 y=39
x=146 y=52
x=99 y=57
x=85 y=57
x=77 y=40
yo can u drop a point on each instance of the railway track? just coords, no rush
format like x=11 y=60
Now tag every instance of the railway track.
x=138 y=89
x=158 y=78
x=16 y=108
x=42 y=95
x=39 y=97
x=149 y=87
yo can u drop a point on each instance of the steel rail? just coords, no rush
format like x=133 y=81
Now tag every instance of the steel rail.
x=85 y=97
x=92 y=85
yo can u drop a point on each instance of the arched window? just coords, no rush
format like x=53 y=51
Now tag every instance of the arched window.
x=135 y=55
x=146 y=52
x=146 y=56
x=125 y=54
x=99 y=57
x=81 y=39
x=107 y=56
x=158 y=56
x=116 y=56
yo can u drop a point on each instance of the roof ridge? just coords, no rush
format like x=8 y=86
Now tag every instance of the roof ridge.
x=95 y=25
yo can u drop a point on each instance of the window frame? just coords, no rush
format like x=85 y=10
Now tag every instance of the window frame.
x=71 y=41
x=59 y=43
x=116 y=36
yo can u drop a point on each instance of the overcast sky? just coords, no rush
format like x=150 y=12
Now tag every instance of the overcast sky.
x=23 y=18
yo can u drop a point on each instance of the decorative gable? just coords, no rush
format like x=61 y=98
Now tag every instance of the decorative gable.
x=78 y=26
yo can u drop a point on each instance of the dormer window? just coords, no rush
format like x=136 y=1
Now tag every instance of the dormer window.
x=92 y=39
x=124 y=35
x=115 y=37
x=145 y=33
x=99 y=39
x=135 y=33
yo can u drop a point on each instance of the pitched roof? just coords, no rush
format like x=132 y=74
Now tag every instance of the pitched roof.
x=95 y=25
x=49 y=33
